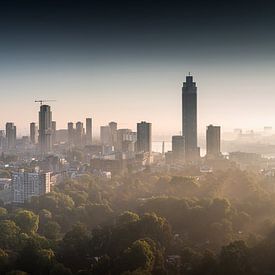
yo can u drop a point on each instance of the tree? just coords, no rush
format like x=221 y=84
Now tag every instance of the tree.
x=138 y=256
x=127 y=217
x=73 y=249
x=51 y=230
x=9 y=233
x=234 y=259
x=27 y=221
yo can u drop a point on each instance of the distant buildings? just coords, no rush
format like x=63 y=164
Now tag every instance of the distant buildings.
x=33 y=133
x=213 y=141
x=144 y=137
x=189 y=119
x=71 y=133
x=178 y=148
x=79 y=134
x=53 y=132
x=45 y=129
x=105 y=135
x=10 y=135
x=88 y=131
x=113 y=128
x=25 y=185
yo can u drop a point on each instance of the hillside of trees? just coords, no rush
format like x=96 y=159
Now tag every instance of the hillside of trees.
x=146 y=223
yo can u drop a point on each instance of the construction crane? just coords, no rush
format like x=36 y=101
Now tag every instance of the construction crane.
x=41 y=101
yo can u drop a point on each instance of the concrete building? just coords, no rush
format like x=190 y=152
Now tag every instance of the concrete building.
x=105 y=135
x=79 y=134
x=26 y=185
x=53 y=132
x=113 y=127
x=10 y=135
x=33 y=133
x=213 y=141
x=71 y=133
x=144 y=137
x=189 y=119
x=178 y=148
x=89 y=131
x=45 y=129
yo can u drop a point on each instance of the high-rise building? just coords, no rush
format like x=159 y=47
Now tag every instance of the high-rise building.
x=89 y=131
x=10 y=135
x=79 y=133
x=178 y=148
x=53 y=132
x=71 y=133
x=213 y=141
x=33 y=133
x=26 y=185
x=45 y=129
x=113 y=127
x=189 y=119
x=105 y=135
x=144 y=137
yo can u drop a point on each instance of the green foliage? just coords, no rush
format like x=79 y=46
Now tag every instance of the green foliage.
x=26 y=220
x=9 y=234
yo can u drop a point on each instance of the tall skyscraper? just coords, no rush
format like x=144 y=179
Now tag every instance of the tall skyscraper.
x=178 y=148
x=10 y=135
x=213 y=141
x=89 y=131
x=113 y=127
x=45 y=129
x=189 y=118
x=33 y=133
x=79 y=133
x=71 y=132
x=53 y=132
x=144 y=137
x=105 y=135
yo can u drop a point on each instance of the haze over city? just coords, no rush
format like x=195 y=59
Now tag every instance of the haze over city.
x=137 y=137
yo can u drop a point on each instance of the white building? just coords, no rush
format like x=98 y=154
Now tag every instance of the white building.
x=25 y=185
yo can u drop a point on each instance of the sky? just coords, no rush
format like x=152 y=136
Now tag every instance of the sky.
x=125 y=61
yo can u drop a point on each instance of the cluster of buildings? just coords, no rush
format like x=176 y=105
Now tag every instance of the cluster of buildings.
x=119 y=150
x=185 y=148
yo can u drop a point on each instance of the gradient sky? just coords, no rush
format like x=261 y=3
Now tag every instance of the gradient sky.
x=126 y=61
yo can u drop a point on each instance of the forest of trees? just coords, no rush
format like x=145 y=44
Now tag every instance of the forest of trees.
x=146 y=223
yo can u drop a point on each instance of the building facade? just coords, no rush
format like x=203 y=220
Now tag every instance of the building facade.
x=45 y=129
x=89 y=131
x=144 y=137
x=10 y=135
x=26 y=185
x=189 y=119
x=213 y=141
x=178 y=148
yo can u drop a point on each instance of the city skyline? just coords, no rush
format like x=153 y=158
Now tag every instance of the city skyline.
x=205 y=117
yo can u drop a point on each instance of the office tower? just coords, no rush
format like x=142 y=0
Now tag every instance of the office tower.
x=79 y=133
x=26 y=185
x=88 y=131
x=113 y=127
x=2 y=140
x=105 y=135
x=213 y=141
x=189 y=119
x=178 y=148
x=45 y=129
x=71 y=132
x=33 y=133
x=144 y=137
x=121 y=136
x=53 y=132
x=10 y=135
